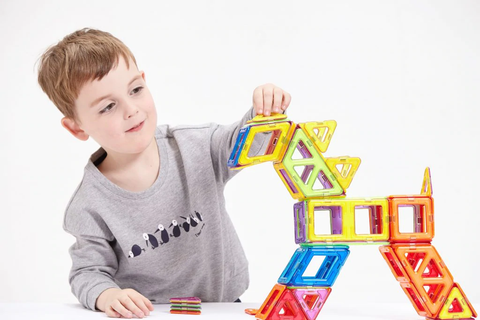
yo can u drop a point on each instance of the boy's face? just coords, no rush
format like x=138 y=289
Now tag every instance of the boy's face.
x=117 y=111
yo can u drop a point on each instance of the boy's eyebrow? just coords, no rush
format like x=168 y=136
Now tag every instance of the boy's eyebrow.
x=138 y=76
x=104 y=97
x=98 y=100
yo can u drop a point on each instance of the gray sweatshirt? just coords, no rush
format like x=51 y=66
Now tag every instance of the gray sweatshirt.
x=173 y=239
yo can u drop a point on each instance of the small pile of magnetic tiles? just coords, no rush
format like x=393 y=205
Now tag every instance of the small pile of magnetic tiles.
x=185 y=305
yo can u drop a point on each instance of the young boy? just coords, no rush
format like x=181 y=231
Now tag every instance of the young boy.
x=149 y=216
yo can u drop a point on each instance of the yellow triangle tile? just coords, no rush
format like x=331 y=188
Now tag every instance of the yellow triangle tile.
x=445 y=312
x=427 y=183
x=320 y=133
x=346 y=172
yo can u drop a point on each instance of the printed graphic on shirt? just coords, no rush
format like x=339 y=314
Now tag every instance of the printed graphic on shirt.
x=136 y=251
x=197 y=219
x=193 y=223
x=186 y=224
x=150 y=239
x=175 y=230
x=164 y=237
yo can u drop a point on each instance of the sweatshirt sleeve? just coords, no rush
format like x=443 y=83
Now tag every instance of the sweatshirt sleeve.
x=223 y=141
x=94 y=262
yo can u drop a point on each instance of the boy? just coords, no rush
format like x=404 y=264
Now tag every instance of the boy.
x=149 y=216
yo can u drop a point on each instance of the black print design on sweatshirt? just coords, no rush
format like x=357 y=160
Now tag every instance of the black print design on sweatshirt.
x=186 y=224
x=192 y=222
x=136 y=251
x=176 y=229
x=164 y=234
x=150 y=238
x=197 y=219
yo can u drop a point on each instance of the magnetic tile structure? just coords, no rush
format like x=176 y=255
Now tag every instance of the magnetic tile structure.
x=326 y=222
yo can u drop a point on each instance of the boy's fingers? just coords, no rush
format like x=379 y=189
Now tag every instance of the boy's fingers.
x=118 y=307
x=267 y=100
x=287 y=98
x=111 y=313
x=258 y=100
x=277 y=99
x=132 y=306
x=149 y=304
x=140 y=301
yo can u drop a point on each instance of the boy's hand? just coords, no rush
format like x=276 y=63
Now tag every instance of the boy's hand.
x=269 y=98
x=125 y=303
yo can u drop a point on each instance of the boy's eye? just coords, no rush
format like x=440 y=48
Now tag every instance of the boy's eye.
x=137 y=89
x=107 y=108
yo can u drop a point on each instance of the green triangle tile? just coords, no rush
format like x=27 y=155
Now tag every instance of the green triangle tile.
x=315 y=168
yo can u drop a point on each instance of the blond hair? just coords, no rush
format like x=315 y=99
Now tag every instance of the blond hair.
x=82 y=56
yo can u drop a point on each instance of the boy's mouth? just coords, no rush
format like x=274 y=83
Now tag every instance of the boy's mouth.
x=138 y=127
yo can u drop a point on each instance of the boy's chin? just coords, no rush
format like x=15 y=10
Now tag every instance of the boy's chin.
x=144 y=145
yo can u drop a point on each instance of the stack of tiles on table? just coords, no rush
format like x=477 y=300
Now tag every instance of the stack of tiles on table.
x=185 y=305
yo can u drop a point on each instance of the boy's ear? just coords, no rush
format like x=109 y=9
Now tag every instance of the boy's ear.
x=74 y=129
x=143 y=75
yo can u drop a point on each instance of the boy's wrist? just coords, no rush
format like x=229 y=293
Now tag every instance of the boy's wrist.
x=103 y=298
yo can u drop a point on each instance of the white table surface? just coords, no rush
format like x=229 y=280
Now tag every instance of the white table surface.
x=224 y=311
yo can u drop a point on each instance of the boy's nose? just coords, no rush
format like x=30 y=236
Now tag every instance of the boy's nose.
x=130 y=110
x=131 y=114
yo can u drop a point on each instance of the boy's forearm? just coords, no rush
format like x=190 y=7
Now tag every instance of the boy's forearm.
x=93 y=266
x=88 y=288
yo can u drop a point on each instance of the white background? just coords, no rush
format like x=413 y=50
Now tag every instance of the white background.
x=401 y=78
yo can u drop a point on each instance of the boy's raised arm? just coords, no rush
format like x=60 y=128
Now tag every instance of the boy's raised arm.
x=266 y=99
